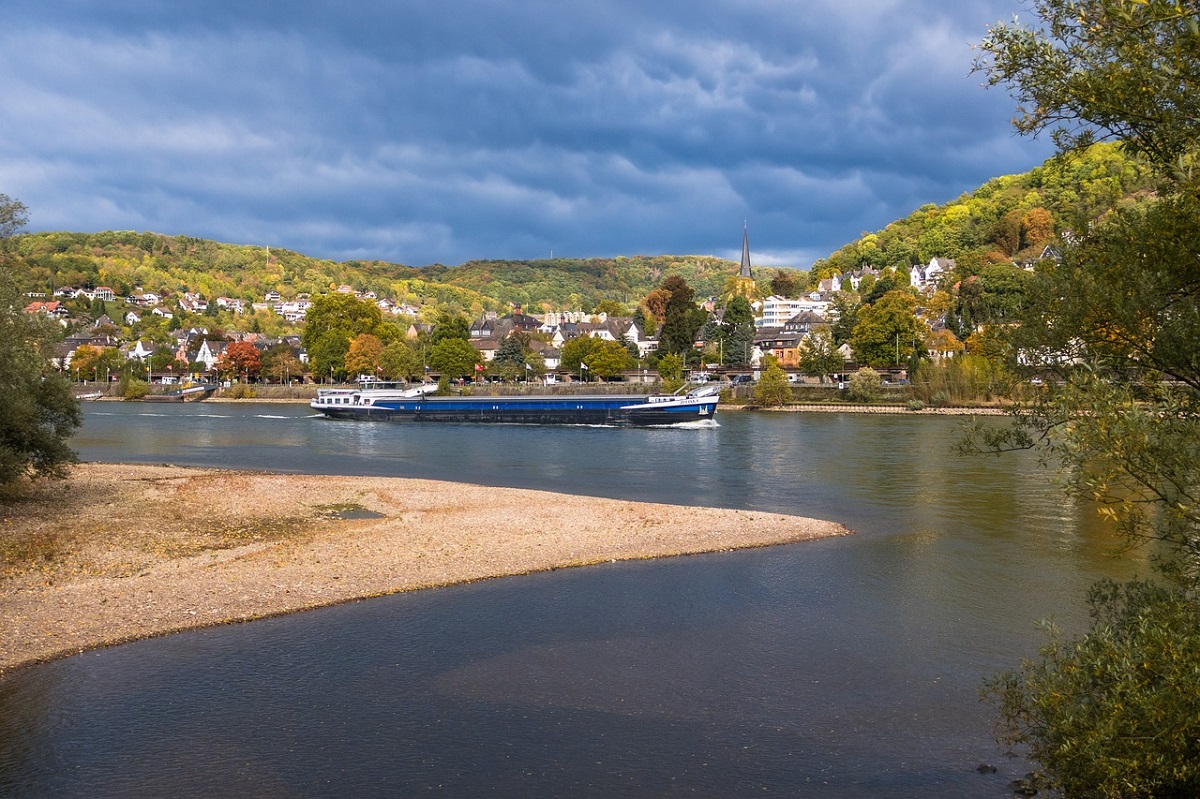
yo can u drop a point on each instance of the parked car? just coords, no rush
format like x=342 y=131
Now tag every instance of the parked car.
x=742 y=380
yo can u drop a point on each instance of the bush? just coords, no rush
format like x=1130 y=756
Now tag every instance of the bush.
x=864 y=385
x=1115 y=713
x=133 y=388
x=966 y=378
x=772 y=389
x=241 y=391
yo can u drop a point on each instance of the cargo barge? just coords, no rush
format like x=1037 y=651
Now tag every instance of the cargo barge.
x=385 y=404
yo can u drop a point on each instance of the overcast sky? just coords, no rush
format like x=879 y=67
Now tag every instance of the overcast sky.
x=438 y=132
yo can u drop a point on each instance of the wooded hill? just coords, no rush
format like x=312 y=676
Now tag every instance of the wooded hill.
x=1008 y=218
x=171 y=265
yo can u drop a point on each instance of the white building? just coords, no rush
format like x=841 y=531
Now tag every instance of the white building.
x=775 y=311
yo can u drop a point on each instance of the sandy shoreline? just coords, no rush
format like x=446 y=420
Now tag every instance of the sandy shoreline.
x=121 y=552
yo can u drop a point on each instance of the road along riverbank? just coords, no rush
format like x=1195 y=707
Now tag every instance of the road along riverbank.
x=120 y=552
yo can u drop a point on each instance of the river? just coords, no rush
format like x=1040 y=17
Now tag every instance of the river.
x=837 y=668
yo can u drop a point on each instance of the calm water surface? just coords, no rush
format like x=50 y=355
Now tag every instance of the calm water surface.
x=845 y=668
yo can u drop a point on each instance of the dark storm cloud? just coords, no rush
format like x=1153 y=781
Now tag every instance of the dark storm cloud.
x=439 y=132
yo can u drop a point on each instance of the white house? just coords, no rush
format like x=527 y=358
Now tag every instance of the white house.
x=927 y=278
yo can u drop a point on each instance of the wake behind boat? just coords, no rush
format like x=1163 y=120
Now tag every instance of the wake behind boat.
x=392 y=404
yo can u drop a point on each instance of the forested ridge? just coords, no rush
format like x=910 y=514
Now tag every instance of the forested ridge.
x=1009 y=218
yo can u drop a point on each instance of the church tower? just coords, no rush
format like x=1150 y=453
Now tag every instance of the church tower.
x=745 y=273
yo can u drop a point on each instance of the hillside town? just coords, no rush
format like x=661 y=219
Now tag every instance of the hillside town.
x=784 y=327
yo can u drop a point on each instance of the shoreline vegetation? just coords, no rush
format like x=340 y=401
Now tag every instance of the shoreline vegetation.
x=120 y=552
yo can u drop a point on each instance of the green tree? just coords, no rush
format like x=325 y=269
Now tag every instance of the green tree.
x=607 y=359
x=400 y=360
x=343 y=313
x=889 y=331
x=327 y=356
x=1116 y=712
x=772 y=389
x=40 y=412
x=611 y=308
x=845 y=312
x=1108 y=714
x=13 y=217
x=509 y=361
x=736 y=332
x=670 y=370
x=819 y=356
x=451 y=326
x=1121 y=68
x=574 y=352
x=453 y=358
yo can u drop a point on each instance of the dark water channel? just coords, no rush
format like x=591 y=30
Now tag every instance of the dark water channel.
x=844 y=668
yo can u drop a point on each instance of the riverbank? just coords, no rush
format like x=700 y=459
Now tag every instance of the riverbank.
x=121 y=552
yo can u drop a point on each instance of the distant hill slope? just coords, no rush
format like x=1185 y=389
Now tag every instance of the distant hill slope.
x=170 y=265
x=1008 y=218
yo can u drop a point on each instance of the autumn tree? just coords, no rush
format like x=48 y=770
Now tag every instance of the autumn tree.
x=363 y=357
x=240 y=359
x=92 y=362
x=280 y=364
x=786 y=283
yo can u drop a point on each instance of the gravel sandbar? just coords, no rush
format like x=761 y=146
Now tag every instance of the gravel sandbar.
x=119 y=552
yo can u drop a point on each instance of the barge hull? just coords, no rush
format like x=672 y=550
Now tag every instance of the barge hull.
x=626 y=411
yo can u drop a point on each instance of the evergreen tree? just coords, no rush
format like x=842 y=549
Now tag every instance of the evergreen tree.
x=682 y=319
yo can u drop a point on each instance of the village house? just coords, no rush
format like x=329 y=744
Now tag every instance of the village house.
x=927 y=278
x=49 y=308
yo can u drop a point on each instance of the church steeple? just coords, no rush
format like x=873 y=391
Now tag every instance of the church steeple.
x=745 y=254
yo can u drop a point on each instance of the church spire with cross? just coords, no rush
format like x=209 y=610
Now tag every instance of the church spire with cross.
x=745 y=253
